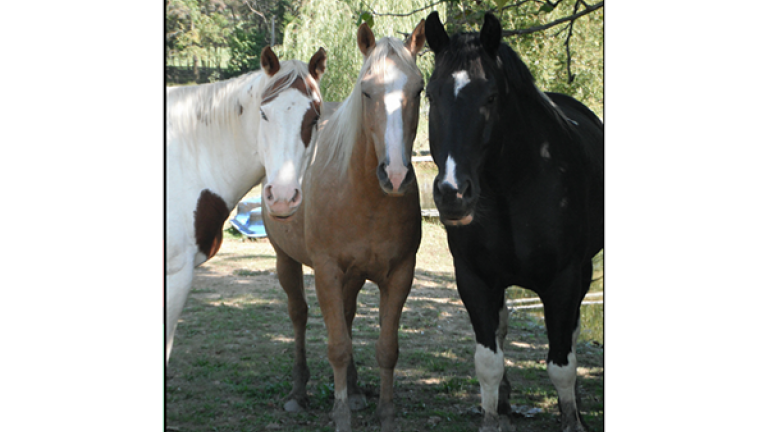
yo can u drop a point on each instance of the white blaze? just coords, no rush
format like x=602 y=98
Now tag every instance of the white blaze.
x=284 y=154
x=450 y=173
x=393 y=135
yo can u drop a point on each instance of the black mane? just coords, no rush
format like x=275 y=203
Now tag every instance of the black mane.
x=466 y=48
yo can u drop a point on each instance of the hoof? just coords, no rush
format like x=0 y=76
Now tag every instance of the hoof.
x=490 y=423
x=357 y=402
x=577 y=428
x=293 y=406
x=386 y=414
x=572 y=424
x=342 y=417
x=388 y=425
x=506 y=424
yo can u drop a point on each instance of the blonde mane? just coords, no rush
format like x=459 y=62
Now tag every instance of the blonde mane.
x=345 y=125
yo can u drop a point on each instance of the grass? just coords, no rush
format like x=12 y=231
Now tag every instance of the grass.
x=231 y=365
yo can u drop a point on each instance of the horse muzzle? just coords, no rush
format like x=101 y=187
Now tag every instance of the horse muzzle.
x=282 y=201
x=393 y=181
x=456 y=206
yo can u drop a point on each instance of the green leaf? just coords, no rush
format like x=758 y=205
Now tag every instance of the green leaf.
x=546 y=8
x=368 y=18
x=500 y=3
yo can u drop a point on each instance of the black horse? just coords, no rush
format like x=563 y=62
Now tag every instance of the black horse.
x=520 y=191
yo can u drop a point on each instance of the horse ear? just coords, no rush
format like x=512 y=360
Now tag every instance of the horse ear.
x=490 y=34
x=269 y=61
x=437 y=38
x=365 y=40
x=416 y=40
x=317 y=64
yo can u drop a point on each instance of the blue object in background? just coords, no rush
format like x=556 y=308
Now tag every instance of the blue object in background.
x=248 y=219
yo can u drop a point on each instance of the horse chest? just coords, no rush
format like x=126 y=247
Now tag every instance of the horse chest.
x=517 y=242
x=367 y=239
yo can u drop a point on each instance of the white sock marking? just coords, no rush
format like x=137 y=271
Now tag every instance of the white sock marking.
x=461 y=79
x=490 y=369
x=564 y=379
x=340 y=395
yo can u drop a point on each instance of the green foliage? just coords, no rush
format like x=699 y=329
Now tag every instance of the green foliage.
x=545 y=54
x=333 y=26
x=545 y=51
x=367 y=17
x=194 y=27
x=245 y=49
x=197 y=27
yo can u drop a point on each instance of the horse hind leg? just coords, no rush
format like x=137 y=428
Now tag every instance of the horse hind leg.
x=291 y=279
x=505 y=389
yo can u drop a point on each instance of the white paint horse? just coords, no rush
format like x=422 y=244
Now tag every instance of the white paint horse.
x=222 y=140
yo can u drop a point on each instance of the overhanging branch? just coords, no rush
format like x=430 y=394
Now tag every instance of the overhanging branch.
x=571 y=18
x=403 y=14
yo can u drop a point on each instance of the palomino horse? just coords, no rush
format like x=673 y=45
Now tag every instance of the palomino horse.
x=222 y=140
x=520 y=191
x=360 y=221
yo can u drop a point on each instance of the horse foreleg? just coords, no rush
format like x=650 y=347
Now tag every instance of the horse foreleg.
x=356 y=396
x=291 y=279
x=328 y=284
x=393 y=294
x=488 y=314
x=561 y=312
x=179 y=275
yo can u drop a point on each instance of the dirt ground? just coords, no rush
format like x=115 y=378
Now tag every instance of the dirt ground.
x=231 y=361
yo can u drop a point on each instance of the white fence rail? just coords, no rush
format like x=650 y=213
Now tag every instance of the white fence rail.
x=538 y=305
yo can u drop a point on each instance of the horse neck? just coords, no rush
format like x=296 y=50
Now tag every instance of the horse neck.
x=362 y=167
x=523 y=136
x=222 y=146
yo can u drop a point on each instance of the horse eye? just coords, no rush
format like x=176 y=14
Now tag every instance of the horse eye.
x=366 y=95
x=264 y=116
x=492 y=99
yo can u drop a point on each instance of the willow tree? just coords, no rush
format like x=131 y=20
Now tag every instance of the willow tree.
x=561 y=42
x=333 y=26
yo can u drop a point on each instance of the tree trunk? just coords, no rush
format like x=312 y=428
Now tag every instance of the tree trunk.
x=195 y=70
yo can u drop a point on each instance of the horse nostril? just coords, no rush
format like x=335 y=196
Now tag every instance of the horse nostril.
x=268 y=193
x=381 y=173
x=466 y=190
x=410 y=175
x=296 y=197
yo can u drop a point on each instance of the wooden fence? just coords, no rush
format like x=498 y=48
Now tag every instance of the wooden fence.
x=186 y=75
